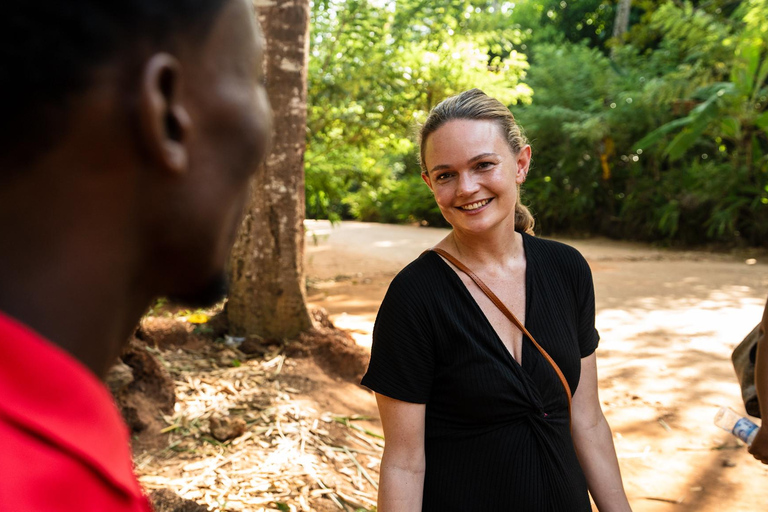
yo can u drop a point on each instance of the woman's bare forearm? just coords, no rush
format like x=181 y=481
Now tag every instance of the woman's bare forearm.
x=594 y=443
x=401 y=485
x=597 y=456
x=401 y=478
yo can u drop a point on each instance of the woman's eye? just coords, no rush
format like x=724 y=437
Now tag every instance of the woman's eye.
x=484 y=165
x=441 y=177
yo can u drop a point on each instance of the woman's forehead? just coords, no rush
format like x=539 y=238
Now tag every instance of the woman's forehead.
x=464 y=137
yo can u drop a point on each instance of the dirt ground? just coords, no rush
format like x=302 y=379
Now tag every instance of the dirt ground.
x=668 y=322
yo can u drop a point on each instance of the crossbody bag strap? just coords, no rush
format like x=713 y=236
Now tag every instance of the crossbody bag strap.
x=480 y=284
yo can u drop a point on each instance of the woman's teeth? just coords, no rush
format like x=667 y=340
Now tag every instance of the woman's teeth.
x=475 y=206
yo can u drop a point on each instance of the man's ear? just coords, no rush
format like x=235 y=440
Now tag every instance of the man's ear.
x=165 y=123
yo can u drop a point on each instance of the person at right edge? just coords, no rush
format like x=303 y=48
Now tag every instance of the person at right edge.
x=759 y=446
x=475 y=417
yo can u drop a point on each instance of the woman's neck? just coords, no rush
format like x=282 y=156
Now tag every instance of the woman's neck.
x=498 y=249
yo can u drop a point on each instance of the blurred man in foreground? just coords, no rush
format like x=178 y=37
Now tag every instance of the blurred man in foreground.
x=130 y=131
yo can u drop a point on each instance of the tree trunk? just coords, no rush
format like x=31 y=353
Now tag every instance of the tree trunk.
x=621 y=22
x=268 y=296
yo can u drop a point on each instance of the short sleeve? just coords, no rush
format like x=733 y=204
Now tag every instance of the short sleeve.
x=588 y=335
x=402 y=355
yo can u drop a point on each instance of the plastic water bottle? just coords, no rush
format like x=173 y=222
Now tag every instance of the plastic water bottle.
x=730 y=421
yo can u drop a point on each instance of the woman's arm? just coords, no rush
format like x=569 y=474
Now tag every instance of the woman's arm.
x=401 y=482
x=594 y=443
x=759 y=447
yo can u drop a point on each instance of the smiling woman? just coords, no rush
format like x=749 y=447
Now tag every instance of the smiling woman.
x=475 y=417
x=479 y=176
x=474 y=114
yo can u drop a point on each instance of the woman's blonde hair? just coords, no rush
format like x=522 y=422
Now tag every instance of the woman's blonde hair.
x=476 y=105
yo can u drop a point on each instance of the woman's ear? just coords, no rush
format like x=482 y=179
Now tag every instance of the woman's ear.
x=165 y=122
x=427 y=180
x=523 y=161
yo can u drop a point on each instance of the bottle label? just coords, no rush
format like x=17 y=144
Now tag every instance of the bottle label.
x=744 y=429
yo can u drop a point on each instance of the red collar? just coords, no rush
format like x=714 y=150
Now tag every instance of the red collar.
x=47 y=391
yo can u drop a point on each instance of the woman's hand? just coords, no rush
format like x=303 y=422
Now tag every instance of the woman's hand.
x=594 y=443
x=401 y=483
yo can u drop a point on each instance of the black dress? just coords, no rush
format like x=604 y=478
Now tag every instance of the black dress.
x=497 y=434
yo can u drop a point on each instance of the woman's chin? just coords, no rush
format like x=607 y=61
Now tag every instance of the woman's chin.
x=479 y=224
x=475 y=226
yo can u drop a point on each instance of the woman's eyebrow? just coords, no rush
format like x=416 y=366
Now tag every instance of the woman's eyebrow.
x=470 y=161
x=480 y=157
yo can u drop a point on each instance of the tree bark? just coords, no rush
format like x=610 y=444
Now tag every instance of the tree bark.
x=268 y=296
x=621 y=22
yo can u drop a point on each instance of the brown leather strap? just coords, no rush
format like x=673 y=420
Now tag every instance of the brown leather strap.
x=480 y=284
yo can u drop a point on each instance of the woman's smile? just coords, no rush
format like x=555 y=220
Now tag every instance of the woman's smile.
x=475 y=207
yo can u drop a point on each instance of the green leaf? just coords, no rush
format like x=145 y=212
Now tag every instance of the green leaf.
x=762 y=75
x=762 y=121
x=683 y=141
x=730 y=127
x=706 y=108
x=659 y=133
x=745 y=67
x=700 y=117
x=757 y=152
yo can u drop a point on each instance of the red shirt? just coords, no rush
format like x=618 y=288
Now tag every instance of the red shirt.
x=63 y=443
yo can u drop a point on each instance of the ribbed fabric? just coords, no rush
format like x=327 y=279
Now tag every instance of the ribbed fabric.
x=497 y=435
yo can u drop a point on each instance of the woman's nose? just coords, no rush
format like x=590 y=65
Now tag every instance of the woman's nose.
x=467 y=184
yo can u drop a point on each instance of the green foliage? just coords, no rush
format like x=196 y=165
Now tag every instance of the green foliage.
x=374 y=73
x=406 y=200
x=660 y=136
x=726 y=128
x=566 y=21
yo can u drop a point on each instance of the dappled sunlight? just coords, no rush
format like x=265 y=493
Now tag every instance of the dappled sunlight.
x=678 y=285
x=664 y=367
x=351 y=304
x=679 y=340
x=360 y=327
x=366 y=246
x=392 y=243
x=342 y=303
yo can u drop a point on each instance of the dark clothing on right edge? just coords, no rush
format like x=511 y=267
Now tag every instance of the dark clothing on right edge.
x=497 y=433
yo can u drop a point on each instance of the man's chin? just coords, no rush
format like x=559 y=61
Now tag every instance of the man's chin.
x=211 y=293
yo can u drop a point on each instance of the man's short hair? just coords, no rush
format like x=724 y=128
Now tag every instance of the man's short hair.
x=48 y=49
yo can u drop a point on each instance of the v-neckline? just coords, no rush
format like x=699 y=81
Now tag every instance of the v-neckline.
x=482 y=314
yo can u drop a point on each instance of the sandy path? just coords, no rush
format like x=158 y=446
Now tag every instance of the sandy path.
x=668 y=322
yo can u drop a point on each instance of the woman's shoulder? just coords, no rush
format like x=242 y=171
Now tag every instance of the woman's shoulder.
x=557 y=252
x=419 y=275
x=416 y=289
x=561 y=262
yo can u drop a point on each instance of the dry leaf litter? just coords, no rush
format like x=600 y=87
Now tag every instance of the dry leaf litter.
x=290 y=457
